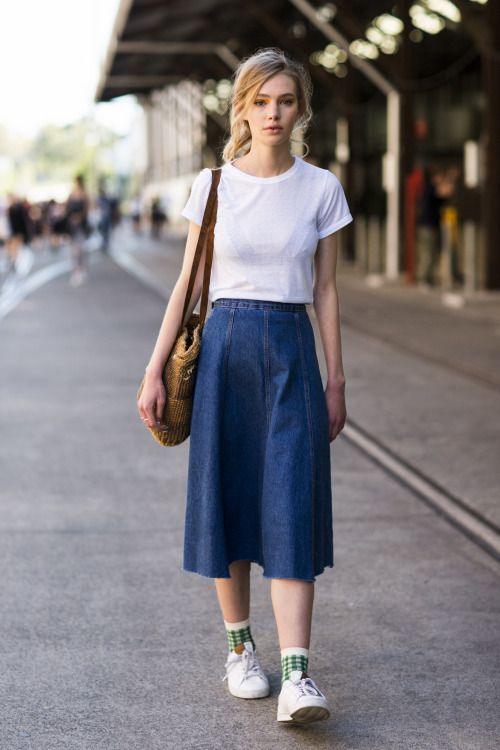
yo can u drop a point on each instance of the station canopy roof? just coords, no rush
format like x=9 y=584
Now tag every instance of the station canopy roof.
x=157 y=42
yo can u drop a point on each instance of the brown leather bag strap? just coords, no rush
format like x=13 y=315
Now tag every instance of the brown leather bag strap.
x=206 y=236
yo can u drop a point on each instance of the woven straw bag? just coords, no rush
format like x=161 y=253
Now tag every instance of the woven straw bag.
x=179 y=373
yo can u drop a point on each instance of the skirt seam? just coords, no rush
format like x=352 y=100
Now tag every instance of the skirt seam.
x=307 y=397
x=267 y=389
x=267 y=369
x=227 y=346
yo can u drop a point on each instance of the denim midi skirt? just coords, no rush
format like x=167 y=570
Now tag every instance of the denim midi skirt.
x=259 y=482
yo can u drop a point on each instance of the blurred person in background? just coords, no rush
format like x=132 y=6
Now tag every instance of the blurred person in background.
x=114 y=203
x=447 y=183
x=136 y=213
x=56 y=222
x=428 y=233
x=77 y=225
x=106 y=209
x=3 y=221
x=36 y=219
x=4 y=233
x=158 y=217
x=18 y=226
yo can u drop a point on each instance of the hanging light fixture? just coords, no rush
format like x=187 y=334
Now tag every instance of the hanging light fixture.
x=431 y=23
x=389 y=24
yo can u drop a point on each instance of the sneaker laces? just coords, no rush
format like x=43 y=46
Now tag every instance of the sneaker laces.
x=306 y=686
x=249 y=662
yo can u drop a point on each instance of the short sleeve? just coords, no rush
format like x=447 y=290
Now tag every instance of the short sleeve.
x=195 y=206
x=334 y=211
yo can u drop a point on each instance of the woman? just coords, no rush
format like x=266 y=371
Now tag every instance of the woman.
x=259 y=485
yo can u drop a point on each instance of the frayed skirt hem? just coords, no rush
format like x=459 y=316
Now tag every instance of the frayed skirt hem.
x=265 y=574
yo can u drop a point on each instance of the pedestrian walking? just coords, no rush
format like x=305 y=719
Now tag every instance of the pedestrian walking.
x=158 y=218
x=104 y=205
x=136 y=214
x=19 y=227
x=259 y=484
x=77 y=209
x=429 y=229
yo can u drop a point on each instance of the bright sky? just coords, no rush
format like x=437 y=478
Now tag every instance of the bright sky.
x=50 y=57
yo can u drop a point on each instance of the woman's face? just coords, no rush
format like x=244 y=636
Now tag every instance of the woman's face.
x=274 y=111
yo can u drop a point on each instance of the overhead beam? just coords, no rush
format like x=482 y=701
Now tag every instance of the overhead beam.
x=158 y=48
x=141 y=81
x=179 y=48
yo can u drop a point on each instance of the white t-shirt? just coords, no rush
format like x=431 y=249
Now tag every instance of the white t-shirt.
x=267 y=229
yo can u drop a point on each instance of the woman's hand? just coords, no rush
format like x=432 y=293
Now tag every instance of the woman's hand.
x=335 y=404
x=152 y=400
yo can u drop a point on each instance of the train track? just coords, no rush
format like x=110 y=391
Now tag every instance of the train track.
x=455 y=510
x=491 y=380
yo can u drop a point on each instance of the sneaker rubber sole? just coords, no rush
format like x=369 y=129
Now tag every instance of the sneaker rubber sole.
x=260 y=693
x=305 y=715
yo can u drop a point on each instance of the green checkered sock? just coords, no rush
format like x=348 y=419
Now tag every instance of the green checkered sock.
x=293 y=657
x=238 y=633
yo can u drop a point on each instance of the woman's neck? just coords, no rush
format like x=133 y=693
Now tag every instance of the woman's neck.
x=265 y=163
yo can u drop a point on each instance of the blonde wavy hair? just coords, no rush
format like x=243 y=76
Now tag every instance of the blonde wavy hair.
x=248 y=77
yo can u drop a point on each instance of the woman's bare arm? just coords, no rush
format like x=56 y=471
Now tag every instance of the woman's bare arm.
x=326 y=307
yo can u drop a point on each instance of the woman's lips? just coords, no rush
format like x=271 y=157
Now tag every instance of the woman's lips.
x=273 y=129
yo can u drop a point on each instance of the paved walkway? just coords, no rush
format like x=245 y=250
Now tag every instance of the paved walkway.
x=107 y=644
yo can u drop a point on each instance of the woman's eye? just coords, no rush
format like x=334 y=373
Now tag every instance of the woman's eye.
x=288 y=102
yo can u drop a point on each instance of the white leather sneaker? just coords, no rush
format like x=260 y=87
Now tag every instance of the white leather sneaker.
x=301 y=701
x=244 y=675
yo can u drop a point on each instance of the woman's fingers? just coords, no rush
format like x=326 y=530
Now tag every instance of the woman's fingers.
x=151 y=409
x=146 y=412
x=336 y=427
x=160 y=404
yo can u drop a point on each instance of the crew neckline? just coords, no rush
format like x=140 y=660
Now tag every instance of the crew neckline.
x=236 y=172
